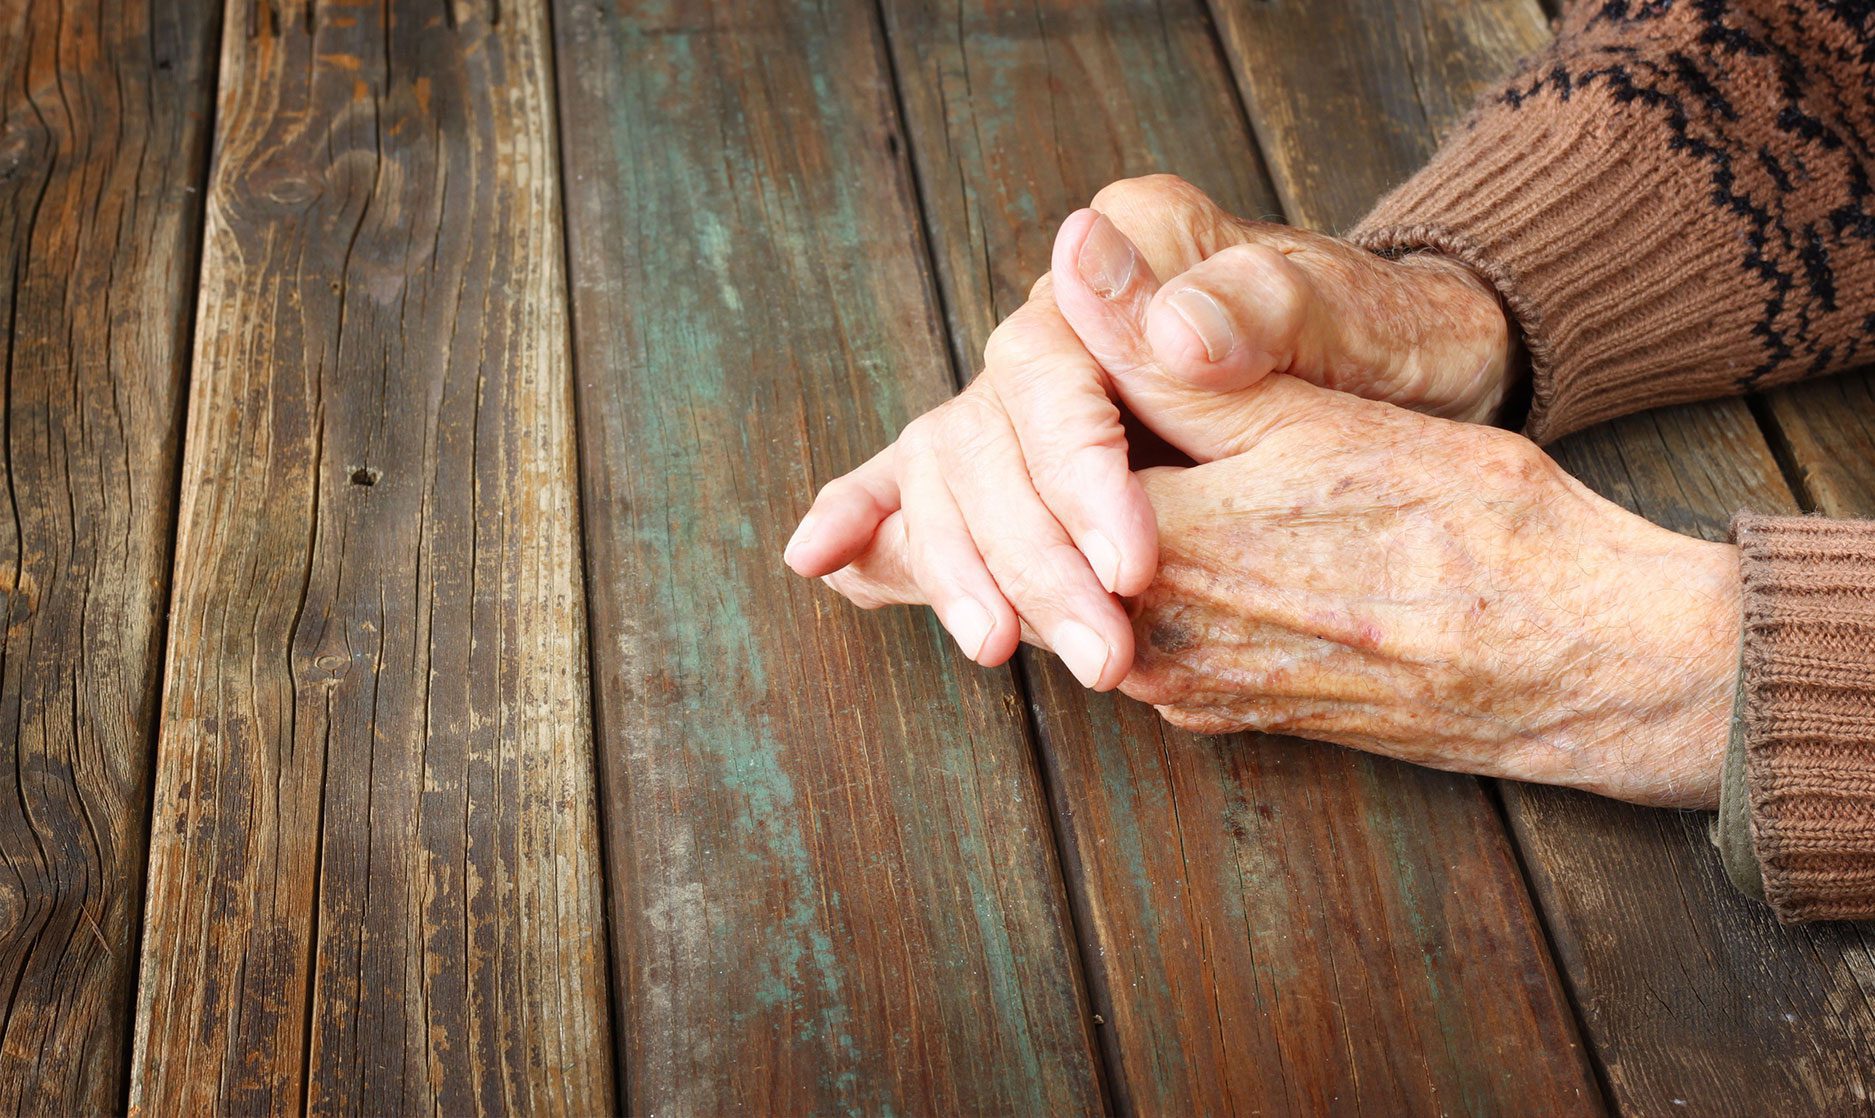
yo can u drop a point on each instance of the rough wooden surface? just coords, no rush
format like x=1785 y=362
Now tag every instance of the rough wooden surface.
x=375 y=878
x=103 y=145
x=1347 y=97
x=1272 y=926
x=1694 y=999
x=833 y=881
x=1825 y=433
x=375 y=870
x=1691 y=991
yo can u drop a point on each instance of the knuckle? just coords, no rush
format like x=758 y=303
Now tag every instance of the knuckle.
x=1017 y=353
x=1036 y=577
x=854 y=588
x=1021 y=579
x=924 y=432
x=1144 y=191
x=840 y=491
x=971 y=432
x=1280 y=287
x=1154 y=685
x=1089 y=467
x=829 y=490
x=1507 y=456
x=1164 y=211
x=1008 y=345
x=1199 y=720
x=973 y=410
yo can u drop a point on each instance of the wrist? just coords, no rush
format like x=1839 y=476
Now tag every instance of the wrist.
x=1678 y=669
x=1495 y=391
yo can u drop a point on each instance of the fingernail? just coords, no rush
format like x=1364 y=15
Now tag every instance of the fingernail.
x=1082 y=650
x=970 y=624
x=1104 y=558
x=1107 y=259
x=800 y=537
x=1206 y=319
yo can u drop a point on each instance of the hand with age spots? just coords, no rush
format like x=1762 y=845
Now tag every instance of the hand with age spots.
x=1339 y=568
x=1019 y=507
x=1434 y=591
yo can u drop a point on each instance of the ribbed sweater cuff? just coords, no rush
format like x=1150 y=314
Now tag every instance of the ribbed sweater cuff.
x=1582 y=222
x=1807 y=714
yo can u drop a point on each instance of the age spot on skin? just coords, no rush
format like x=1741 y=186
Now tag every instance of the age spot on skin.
x=1170 y=636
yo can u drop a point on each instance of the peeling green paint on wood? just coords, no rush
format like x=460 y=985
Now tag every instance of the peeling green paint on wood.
x=833 y=880
x=1269 y=923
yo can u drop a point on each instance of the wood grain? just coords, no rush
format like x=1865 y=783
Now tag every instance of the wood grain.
x=1691 y=991
x=833 y=883
x=1825 y=431
x=1348 y=97
x=103 y=146
x=375 y=872
x=1274 y=926
x=1694 y=999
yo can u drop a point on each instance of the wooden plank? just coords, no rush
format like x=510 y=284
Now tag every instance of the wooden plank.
x=375 y=879
x=1693 y=998
x=834 y=889
x=1825 y=430
x=103 y=146
x=1348 y=97
x=1276 y=926
x=1691 y=991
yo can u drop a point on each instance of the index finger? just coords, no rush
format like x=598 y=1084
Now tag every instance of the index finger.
x=1057 y=398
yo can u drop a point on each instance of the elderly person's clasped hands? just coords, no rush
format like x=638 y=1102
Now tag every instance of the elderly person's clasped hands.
x=1357 y=557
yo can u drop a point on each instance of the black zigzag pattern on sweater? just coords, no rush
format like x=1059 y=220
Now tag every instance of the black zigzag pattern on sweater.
x=1818 y=119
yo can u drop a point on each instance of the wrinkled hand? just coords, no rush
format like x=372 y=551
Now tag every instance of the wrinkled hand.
x=1434 y=591
x=1018 y=505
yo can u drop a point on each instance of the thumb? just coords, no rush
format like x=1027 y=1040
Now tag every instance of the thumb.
x=1103 y=287
x=1231 y=319
x=1108 y=293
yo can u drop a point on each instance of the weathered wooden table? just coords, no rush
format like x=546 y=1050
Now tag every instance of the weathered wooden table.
x=405 y=707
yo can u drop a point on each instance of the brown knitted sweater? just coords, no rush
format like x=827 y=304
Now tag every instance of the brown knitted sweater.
x=1677 y=201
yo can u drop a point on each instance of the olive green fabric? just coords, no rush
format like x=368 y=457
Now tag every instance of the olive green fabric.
x=1731 y=832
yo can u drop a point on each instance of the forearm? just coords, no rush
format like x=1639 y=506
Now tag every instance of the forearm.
x=1673 y=205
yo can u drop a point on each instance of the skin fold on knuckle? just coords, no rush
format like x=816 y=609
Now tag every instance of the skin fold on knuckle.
x=975 y=416
x=1019 y=339
x=1155 y=684
x=845 y=491
x=1141 y=192
x=1039 y=580
x=1078 y=474
x=1173 y=223
x=1203 y=722
x=1210 y=713
x=918 y=436
x=857 y=589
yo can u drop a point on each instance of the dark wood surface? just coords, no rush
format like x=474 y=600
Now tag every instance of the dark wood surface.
x=521 y=335
x=375 y=878
x=1825 y=433
x=833 y=884
x=1245 y=900
x=103 y=148
x=1691 y=996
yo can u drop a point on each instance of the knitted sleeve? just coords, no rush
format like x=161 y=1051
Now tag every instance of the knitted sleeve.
x=1797 y=810
x=1674 y=201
